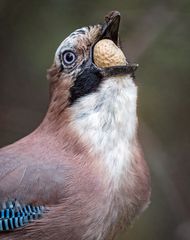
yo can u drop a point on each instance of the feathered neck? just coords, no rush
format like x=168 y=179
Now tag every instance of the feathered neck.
x=107 y=121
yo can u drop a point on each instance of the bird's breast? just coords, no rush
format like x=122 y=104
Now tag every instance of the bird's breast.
x=106 y=120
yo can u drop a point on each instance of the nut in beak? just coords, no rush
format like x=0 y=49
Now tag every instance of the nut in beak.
x=107 y=54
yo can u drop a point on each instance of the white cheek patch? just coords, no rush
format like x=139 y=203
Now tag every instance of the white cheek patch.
x=107 y=120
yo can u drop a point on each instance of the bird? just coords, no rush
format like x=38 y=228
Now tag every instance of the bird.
x=81 y=174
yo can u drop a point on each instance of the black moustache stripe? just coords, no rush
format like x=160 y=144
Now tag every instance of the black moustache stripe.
x=87 y=82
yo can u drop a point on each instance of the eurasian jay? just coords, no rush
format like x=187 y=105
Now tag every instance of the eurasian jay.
x=81 y=174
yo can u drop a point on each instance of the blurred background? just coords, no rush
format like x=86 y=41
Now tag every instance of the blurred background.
x=155 y=34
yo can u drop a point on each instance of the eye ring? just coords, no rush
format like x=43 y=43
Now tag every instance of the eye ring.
x=68 y=57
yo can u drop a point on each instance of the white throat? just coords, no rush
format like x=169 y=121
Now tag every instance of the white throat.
x=107 y=120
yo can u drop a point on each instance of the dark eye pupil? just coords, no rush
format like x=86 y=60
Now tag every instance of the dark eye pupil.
x=68 y=57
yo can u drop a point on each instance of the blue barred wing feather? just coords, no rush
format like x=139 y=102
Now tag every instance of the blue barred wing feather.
x=14 y=215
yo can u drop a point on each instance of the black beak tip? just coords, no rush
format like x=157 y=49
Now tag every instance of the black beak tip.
x=134 y=66
x=112 y=16
x=110 y=28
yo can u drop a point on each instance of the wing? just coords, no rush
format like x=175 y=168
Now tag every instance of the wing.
x=14 y=215
x=31 y=179
x=48 y=183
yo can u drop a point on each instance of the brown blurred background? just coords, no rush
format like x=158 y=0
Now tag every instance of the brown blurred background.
x=155 y=34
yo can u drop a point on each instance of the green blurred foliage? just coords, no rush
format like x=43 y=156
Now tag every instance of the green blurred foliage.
x=154 y=34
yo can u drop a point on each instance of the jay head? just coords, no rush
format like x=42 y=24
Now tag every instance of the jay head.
x=81 y=173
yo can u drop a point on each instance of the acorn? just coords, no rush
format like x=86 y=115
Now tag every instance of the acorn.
x=108 y=54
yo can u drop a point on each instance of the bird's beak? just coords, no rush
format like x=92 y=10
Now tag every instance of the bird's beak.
x=110 y=30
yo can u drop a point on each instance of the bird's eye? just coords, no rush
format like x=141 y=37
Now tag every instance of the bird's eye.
x=68 y=57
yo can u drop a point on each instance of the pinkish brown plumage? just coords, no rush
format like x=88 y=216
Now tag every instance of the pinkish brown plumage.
x=83 y=163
